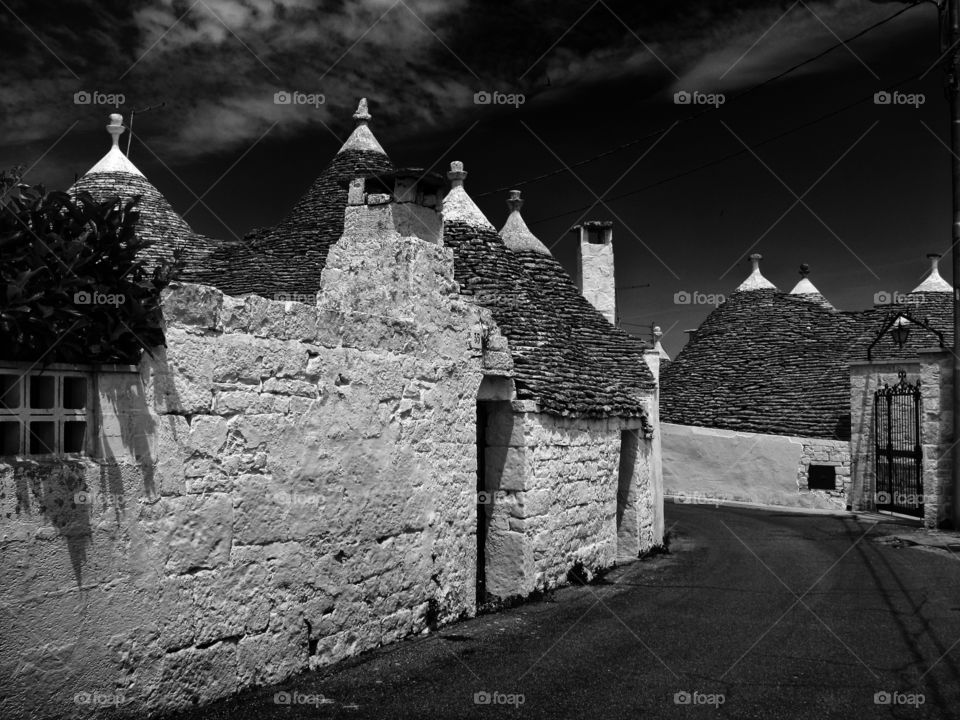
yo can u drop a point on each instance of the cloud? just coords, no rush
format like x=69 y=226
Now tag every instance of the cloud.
x=218 y=63
x=759 y=44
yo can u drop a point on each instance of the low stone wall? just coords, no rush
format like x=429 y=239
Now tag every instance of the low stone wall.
x=832 y=453
x=710 y=465
x=281 y=487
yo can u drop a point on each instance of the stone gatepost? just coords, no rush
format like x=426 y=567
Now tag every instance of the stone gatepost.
x=934 y=370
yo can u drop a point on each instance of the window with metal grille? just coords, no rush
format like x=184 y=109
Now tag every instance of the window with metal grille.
x=45 y=412
x=822 y=477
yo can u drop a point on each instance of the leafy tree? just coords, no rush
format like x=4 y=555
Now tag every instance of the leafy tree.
x=71 y=287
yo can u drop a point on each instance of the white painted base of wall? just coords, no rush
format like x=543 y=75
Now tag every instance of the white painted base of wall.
x=708 y=465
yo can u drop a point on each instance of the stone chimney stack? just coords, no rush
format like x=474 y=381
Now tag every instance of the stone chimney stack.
x=595 y=277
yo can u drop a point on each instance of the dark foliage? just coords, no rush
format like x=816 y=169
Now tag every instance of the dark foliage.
x=71 y=288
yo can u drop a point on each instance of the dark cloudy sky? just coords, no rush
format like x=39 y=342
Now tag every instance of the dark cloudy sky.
x=595 y=75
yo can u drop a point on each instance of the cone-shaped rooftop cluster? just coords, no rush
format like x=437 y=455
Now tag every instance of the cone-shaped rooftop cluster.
x=933 y=283
x=566 y=355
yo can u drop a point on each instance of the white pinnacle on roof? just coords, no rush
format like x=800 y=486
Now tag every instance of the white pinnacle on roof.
x=807 y=290
x=934 y=282
x=515 y=233
x=656 y=333
x=457 y=205
x=362 y=138
x=756 y=281
x=115 y=160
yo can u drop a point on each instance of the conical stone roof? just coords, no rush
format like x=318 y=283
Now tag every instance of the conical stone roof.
x=289 y=257
x=114 y=175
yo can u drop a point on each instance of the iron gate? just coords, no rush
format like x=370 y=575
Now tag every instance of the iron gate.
x=898 y=447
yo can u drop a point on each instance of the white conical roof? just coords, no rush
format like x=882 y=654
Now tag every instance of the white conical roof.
x=457 y=205
x=115 y=160
x=805 y=287
x=362 y=138
x=755 y=281
x=934 y=282
x=515 y=233
x=808 y=291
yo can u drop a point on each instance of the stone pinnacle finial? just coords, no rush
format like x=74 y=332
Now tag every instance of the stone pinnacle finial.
x=804 y=270
x=934 y=282
x=115 y=128
x=456 y=174
x=514 y=202
x=362 y=116
x=656 y=332
x=755 y=260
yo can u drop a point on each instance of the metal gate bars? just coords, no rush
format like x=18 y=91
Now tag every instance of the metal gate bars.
x=898 y=447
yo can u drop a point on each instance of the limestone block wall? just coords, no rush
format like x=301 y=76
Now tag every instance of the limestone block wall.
x=652 y=359
x=281 y=487
x=934 y=370
x=833 y=453
x=596 y=277
x=554 y=485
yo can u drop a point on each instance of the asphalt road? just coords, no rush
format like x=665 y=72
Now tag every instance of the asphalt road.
x=752 y=614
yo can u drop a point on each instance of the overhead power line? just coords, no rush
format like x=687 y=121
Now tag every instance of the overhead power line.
x=734 y=154
x=701 y=113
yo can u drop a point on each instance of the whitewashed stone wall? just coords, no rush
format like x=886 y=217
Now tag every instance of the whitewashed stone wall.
x=554 y=484
x=709 y=465
x=833 y=453
x=934 y=370
x=652 y=359
x=596 y=277
x=287 y=485
x=282 y=487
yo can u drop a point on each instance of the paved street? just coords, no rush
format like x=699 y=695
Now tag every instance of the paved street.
x=777 y=615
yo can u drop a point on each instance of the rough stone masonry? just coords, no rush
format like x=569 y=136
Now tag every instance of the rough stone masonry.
x=286 y=485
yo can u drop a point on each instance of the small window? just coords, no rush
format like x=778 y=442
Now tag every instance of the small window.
x=10 y=392
x=45 y=412
x=822 y=477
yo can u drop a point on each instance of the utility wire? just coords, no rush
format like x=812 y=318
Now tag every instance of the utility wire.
x=734 y=154
x=697 y=115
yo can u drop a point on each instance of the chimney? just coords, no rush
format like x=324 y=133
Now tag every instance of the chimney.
x=595 y=277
